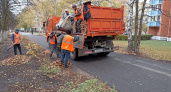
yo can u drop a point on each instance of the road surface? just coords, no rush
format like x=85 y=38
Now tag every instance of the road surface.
x=126 y=72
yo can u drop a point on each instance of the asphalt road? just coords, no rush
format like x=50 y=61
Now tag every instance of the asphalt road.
x=128 y=73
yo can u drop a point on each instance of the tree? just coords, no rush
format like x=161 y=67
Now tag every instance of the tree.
x=7 y=18
x=136 y=26
x=140 y=28
x=130 y=20
x=144 y=28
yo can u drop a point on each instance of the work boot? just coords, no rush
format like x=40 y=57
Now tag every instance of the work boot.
x=50 y=55
x=21 y=53
x=66 y=66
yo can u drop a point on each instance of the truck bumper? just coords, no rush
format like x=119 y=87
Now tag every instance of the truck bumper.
x=100 y=50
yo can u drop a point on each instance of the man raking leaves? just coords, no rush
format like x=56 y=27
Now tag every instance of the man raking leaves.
x=16 y=42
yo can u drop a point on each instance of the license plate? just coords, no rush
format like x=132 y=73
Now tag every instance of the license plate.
x=99 y=50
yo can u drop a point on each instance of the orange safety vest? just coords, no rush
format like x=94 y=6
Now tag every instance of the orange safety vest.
x=80 y=16
x=52 y=40
x=16 y=38
x=68 y=43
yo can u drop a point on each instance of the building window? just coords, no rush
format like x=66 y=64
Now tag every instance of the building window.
x=158 y=18
x=153 y=18
x=159 y=6
x=153 y=7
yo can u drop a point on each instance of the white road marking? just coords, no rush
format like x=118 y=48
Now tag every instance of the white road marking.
x=147 y=68
x=167 y=68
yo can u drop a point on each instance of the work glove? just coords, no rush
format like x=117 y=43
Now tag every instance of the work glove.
x=13 y=42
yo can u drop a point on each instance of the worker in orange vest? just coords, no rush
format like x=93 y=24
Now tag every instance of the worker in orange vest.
x=78 y=18
x=16 y=42
x=53 y=42
x=67 y=45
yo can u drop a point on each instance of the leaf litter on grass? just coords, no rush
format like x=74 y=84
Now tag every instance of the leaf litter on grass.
x=15 y=60
x=53 y=69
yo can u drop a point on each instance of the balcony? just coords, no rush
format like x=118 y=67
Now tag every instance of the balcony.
x=154 y=24
x=155 y=13
x=154 y=2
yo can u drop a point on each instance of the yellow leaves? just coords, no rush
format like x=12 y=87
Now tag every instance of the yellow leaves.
x=32 y=49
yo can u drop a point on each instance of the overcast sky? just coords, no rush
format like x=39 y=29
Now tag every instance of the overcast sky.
x=19 y=7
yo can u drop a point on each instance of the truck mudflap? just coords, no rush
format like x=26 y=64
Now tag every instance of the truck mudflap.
x=100 y=50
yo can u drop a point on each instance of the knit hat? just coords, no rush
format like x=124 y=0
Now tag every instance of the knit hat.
x=68 y=32
x=17 y=30
x=74 y=6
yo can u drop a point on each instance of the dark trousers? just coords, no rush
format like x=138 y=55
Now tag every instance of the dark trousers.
x=32 y=32
x=15 y=49
x=54 y=48
x=65 y=55
x=78 y=27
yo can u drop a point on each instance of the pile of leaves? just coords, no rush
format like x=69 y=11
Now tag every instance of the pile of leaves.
x=15 y=60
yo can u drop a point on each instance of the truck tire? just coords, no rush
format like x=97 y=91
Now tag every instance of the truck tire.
x=103 y=53
x=74 y=55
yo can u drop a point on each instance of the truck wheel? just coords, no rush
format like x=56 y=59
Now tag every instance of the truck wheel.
x=74 y=55
x=103 y=53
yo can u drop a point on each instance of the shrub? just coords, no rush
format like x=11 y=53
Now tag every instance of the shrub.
x=146 y=37
x=124 y=37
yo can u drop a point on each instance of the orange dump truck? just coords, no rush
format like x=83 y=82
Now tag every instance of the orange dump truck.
x=98 y=31
x=50 y=24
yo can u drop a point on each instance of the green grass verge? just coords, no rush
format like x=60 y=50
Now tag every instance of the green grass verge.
x=91 y=85
x=159 y=50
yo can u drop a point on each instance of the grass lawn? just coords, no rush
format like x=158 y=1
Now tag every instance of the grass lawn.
x=159 y=50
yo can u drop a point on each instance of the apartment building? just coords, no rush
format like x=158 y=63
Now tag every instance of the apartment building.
x=159 y=23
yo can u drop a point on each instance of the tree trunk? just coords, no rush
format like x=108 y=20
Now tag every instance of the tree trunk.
x=130 y=15
x=140 y=28
x=136 y=27
x=1 y=36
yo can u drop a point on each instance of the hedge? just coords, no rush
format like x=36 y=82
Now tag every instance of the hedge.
x=124 y=37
